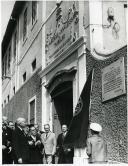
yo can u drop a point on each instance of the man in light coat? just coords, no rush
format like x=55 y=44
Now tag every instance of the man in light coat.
x=49 y=141
x=96 y=146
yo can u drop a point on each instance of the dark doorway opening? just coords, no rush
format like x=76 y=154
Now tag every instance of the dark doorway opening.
x=62 y=97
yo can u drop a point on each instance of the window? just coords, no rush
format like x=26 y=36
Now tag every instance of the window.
x=24 y=77
x=25 y=25
x=9 y=58
x=125 y=5
x=34 y=65
x=126 y=20
x=15 y=44
x=3 y=65
x=4 y=102
x=14 y=90
x=32 y=107
x=8 y=98
x=34 y=11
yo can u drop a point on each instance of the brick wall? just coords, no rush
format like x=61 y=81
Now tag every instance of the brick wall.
x=112 y=114
x=18 y=105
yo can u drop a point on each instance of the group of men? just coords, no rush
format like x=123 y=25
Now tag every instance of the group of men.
x=26 y=144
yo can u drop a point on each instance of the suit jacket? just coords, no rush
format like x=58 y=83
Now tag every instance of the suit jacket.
x=65 y=156
x=7 y=137
x=60 y=141
x=35 y=151
x=5 y=151
x=49 y=143
x=20 y=145
x=7 y=154
x=96 y=149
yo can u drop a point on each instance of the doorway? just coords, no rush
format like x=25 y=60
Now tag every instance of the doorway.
x=62 y=98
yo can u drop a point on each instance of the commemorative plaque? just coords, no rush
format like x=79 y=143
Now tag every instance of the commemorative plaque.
x=62 y=29
x=113 y=80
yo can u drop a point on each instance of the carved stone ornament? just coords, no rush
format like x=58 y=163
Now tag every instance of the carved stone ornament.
x=62 y=23
x=100 y=53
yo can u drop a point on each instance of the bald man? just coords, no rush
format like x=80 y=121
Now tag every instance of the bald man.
x=20 y=143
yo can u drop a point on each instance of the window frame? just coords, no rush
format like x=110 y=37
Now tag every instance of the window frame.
x=14 y=90
x=32 y=65
x=9 y=59
x=8 y=98
x=25 y=77
x=36 y=15
x=5 y=65
x=15 y=45
x=5 y=102
x=30 y=100
x=25 y=27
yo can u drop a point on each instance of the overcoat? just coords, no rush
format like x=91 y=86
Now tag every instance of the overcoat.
x=65 y=156
x=35 y=151
x=7 y=155
x=20 y=145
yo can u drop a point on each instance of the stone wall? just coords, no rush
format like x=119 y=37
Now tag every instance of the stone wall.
x=112 y=114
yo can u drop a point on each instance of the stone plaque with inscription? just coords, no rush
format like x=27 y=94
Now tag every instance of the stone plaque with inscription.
x=113 y=80
x=62 y=29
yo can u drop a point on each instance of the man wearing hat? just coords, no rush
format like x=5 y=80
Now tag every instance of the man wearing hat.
x=96 y=146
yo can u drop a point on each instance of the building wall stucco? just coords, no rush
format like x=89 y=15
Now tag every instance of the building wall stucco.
x=27 y=51
x=34 y=52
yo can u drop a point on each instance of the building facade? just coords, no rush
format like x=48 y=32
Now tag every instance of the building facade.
x=22 y=61
x=47 y=57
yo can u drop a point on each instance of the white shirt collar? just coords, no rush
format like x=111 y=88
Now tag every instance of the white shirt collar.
x=65 y=133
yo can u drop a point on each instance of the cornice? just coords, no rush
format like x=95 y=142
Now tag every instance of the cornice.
x=63 y=56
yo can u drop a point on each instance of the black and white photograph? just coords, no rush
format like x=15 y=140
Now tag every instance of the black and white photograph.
x=64 y=82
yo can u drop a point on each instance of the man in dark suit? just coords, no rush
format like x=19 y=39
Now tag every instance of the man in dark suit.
x=6 y=142
x=10 y=130
x=65 y=154
x=20 y=143
x=35 y=147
